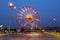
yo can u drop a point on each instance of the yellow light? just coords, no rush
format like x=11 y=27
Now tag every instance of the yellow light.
x=43 y=30
x=11 y=4
x=29 y=16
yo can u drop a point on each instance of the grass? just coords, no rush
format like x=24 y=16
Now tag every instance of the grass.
x=53 y=33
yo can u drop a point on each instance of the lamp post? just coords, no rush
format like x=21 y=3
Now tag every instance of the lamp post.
x=11 y=5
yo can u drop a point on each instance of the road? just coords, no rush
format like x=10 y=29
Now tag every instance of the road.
x=29 y=36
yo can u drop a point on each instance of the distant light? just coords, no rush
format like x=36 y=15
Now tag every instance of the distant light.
x=14 y=7
x=54 y=19
x=43 y=30
x=1 y=26
x=31 y=28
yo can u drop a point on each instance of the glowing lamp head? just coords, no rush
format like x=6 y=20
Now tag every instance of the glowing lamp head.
x=11 y=5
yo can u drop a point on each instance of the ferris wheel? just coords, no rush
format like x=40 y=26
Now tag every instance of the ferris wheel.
x=27 y=17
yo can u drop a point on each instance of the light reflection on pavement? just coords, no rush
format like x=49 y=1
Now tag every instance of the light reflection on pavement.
x=29 y=36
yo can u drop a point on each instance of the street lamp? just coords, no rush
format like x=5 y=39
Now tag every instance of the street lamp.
x=11 y=6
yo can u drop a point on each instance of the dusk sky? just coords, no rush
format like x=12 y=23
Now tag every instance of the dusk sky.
x=48 y=10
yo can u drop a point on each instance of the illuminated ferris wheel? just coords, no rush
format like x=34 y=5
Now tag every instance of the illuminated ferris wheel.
x=27 y=17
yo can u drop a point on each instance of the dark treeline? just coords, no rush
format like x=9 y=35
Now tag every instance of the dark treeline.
x=57 y=29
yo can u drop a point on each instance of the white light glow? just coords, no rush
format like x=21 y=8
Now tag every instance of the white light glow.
x=10 y=4
x=54 y=19
x=14 y=7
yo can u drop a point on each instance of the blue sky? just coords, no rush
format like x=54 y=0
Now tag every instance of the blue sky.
x=48 y=9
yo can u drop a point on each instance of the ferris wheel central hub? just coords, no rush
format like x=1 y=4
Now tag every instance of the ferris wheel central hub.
x=29 y=17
